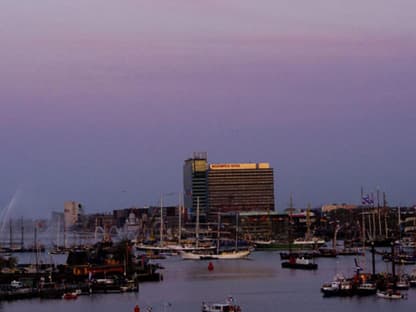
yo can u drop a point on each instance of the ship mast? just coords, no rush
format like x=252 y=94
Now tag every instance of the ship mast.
x=161 y=222
x=180 y=220
x=385 y=214
x=308 y=222
x=197 y=223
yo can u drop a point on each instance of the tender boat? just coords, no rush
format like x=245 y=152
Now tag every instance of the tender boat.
x=228 y=306
x=390 y=294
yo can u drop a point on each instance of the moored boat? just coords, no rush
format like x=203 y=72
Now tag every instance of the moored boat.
x=311 y=243
x=346 y=288
x=390 y=294
x=331 y=289
x=70 y=295
x=300 y=263
x=402 y=284
x=365 y=289
x=305 y=254
x=222 y=255
x=228 y=306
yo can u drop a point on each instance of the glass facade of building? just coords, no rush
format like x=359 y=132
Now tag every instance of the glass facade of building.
x=195 y=185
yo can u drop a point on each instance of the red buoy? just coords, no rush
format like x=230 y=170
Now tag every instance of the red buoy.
x=210 y=266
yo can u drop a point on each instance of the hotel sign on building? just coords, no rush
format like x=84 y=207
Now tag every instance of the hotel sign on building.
x=237 y=166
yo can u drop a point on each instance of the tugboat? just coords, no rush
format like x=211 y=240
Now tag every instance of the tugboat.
x=340 y=286
x=366 y=289
x=331 y=289
x=299 y=263
x=346 y=288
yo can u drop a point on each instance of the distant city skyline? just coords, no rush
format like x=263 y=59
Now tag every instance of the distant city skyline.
x=101 y=103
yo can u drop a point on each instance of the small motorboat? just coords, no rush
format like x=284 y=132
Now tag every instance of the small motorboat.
x=228 y=306
x=390 y=294
x=299 y=263
x=70 y=295
x=403 y=284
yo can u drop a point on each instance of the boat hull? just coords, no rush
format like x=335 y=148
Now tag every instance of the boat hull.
x=300 y=266
x=220 y=256
x=390 y=295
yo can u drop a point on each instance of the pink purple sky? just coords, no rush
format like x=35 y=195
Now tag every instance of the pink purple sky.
x=101 y=101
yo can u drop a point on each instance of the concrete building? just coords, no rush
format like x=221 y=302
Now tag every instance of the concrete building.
x=240 y=187
x=332 y=207
x=73 y=211
x=226 y=187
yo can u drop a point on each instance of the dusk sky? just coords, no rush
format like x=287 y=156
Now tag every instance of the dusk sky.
x=101 y=101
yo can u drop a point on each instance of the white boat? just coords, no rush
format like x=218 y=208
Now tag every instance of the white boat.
x=330 y=288
x=219 y=254
x=16 y=284
x=105 y=281
x=222 y=255
x=299 y=263
x=228 y=306
x=190 y=247
x=309 y=242
x=402 y=284
x=158 y=248
x=390 y=294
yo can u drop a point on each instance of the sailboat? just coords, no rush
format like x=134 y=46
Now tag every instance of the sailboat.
x=192 y=246
x=308 y=241
x=156 y=251
x=58 y=249
x=218 y=254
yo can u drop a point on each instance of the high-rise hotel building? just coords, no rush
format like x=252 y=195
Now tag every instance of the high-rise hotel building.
x=227 y=187
x=240 y=187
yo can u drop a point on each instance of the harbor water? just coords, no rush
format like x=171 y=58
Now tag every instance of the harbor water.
x=257 y=284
